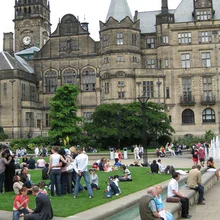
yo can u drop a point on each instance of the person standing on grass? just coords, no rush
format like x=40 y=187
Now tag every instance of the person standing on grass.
x=55 y=170
x=147 y=206
x=82 y=171
x=173 y=191
x=43 y=210
x=194 y=182
x=3 y=163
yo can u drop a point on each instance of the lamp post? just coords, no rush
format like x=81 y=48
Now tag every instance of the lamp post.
x=143 y=100
x=118 y=129
x=215 y=32
x=12 y=107
x=158 y=84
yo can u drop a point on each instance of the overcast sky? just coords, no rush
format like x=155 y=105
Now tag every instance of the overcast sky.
x=92 y=10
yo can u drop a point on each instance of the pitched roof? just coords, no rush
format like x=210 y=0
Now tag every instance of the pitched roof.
x=119 y=9
x=27 y=51
x=8 y=62
x=183 y=13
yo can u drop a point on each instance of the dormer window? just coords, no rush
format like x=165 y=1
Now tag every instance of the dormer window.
x=203 y=15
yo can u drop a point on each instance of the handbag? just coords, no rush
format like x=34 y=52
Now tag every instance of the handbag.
x=70 y=167
x=173 y=199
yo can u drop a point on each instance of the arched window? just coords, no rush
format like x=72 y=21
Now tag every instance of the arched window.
x=50 y=81
x=188 y=117
x=208 y=116
x=88 y=79
x=69 y=76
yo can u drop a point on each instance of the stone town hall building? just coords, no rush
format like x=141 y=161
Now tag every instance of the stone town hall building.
x=168 y=55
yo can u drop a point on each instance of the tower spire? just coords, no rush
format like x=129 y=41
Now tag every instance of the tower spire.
x=164 y=7
x=118 y=10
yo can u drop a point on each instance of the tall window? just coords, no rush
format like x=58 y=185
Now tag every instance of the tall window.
x=188 y=117
x=105 y=41
x=106 y=60
x=165 y=39
x=166 y=63
x=29 y=119
x=148 y=89
x=150 y=63
x=23 y=91
x=187 y=93
x=88 y=79
x=208 y=116
x=50 y=81
x=121 y=94
x=120 y=59
x=167 y=92
x=134 y=39
x=185 y=38
x=185 y=60
x=203 y=15
x=207 y=88
x=107 y=88
x=150 y=43
x=119 y=38
x=87 y=116
x=205 y=37
x=5 y=89
x=47 y=120
x=206 y=59
x=33 y=95
x=69 y=76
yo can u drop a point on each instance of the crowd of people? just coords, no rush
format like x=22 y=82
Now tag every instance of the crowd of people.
x=68 y=166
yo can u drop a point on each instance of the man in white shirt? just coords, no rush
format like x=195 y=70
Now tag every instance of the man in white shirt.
x=81 y=170
x=173 y=190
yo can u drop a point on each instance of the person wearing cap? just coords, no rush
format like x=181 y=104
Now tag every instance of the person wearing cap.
x=94 y=179
x=112 y=188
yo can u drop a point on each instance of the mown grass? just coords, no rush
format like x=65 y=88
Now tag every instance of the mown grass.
x=66 y=205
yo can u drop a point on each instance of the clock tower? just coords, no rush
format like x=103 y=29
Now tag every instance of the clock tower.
x=31 y=23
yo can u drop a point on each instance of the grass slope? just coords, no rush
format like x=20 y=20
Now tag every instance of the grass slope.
x=65 y=206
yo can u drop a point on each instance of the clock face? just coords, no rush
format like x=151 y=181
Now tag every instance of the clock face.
x=26 y=40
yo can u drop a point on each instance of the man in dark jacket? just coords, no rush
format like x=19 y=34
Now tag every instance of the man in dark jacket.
x=43 y=210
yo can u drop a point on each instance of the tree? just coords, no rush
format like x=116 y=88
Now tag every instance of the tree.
x=63 y=119
x=116 y=122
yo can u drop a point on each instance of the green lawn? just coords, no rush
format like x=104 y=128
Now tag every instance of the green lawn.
x=141 y=180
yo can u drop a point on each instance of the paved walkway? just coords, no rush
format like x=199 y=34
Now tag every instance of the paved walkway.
x=209 y=211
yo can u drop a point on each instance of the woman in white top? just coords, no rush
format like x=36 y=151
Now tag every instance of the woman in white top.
x=55 y=170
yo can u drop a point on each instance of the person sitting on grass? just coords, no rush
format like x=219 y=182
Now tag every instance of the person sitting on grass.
x=43 y=210
x=41 y=162
x=45 y=175
x=20 y=206
x=127 y=174
x=17 y=184
x=94 y=179
x=31 y=163
x=154 y=167
x=112 y=188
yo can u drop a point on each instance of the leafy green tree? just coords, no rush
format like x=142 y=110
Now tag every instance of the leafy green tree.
x=63 y=119
x=114 y=122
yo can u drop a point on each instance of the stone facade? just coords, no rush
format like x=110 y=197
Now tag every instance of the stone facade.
x=165 y=55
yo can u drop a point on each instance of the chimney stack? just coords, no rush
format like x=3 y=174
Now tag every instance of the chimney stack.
x=8 y=43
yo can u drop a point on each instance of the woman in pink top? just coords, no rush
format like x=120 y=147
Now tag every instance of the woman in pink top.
x=41 y=162
x=201 y=154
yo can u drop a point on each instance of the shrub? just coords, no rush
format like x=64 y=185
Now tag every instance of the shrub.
x=162 y=140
